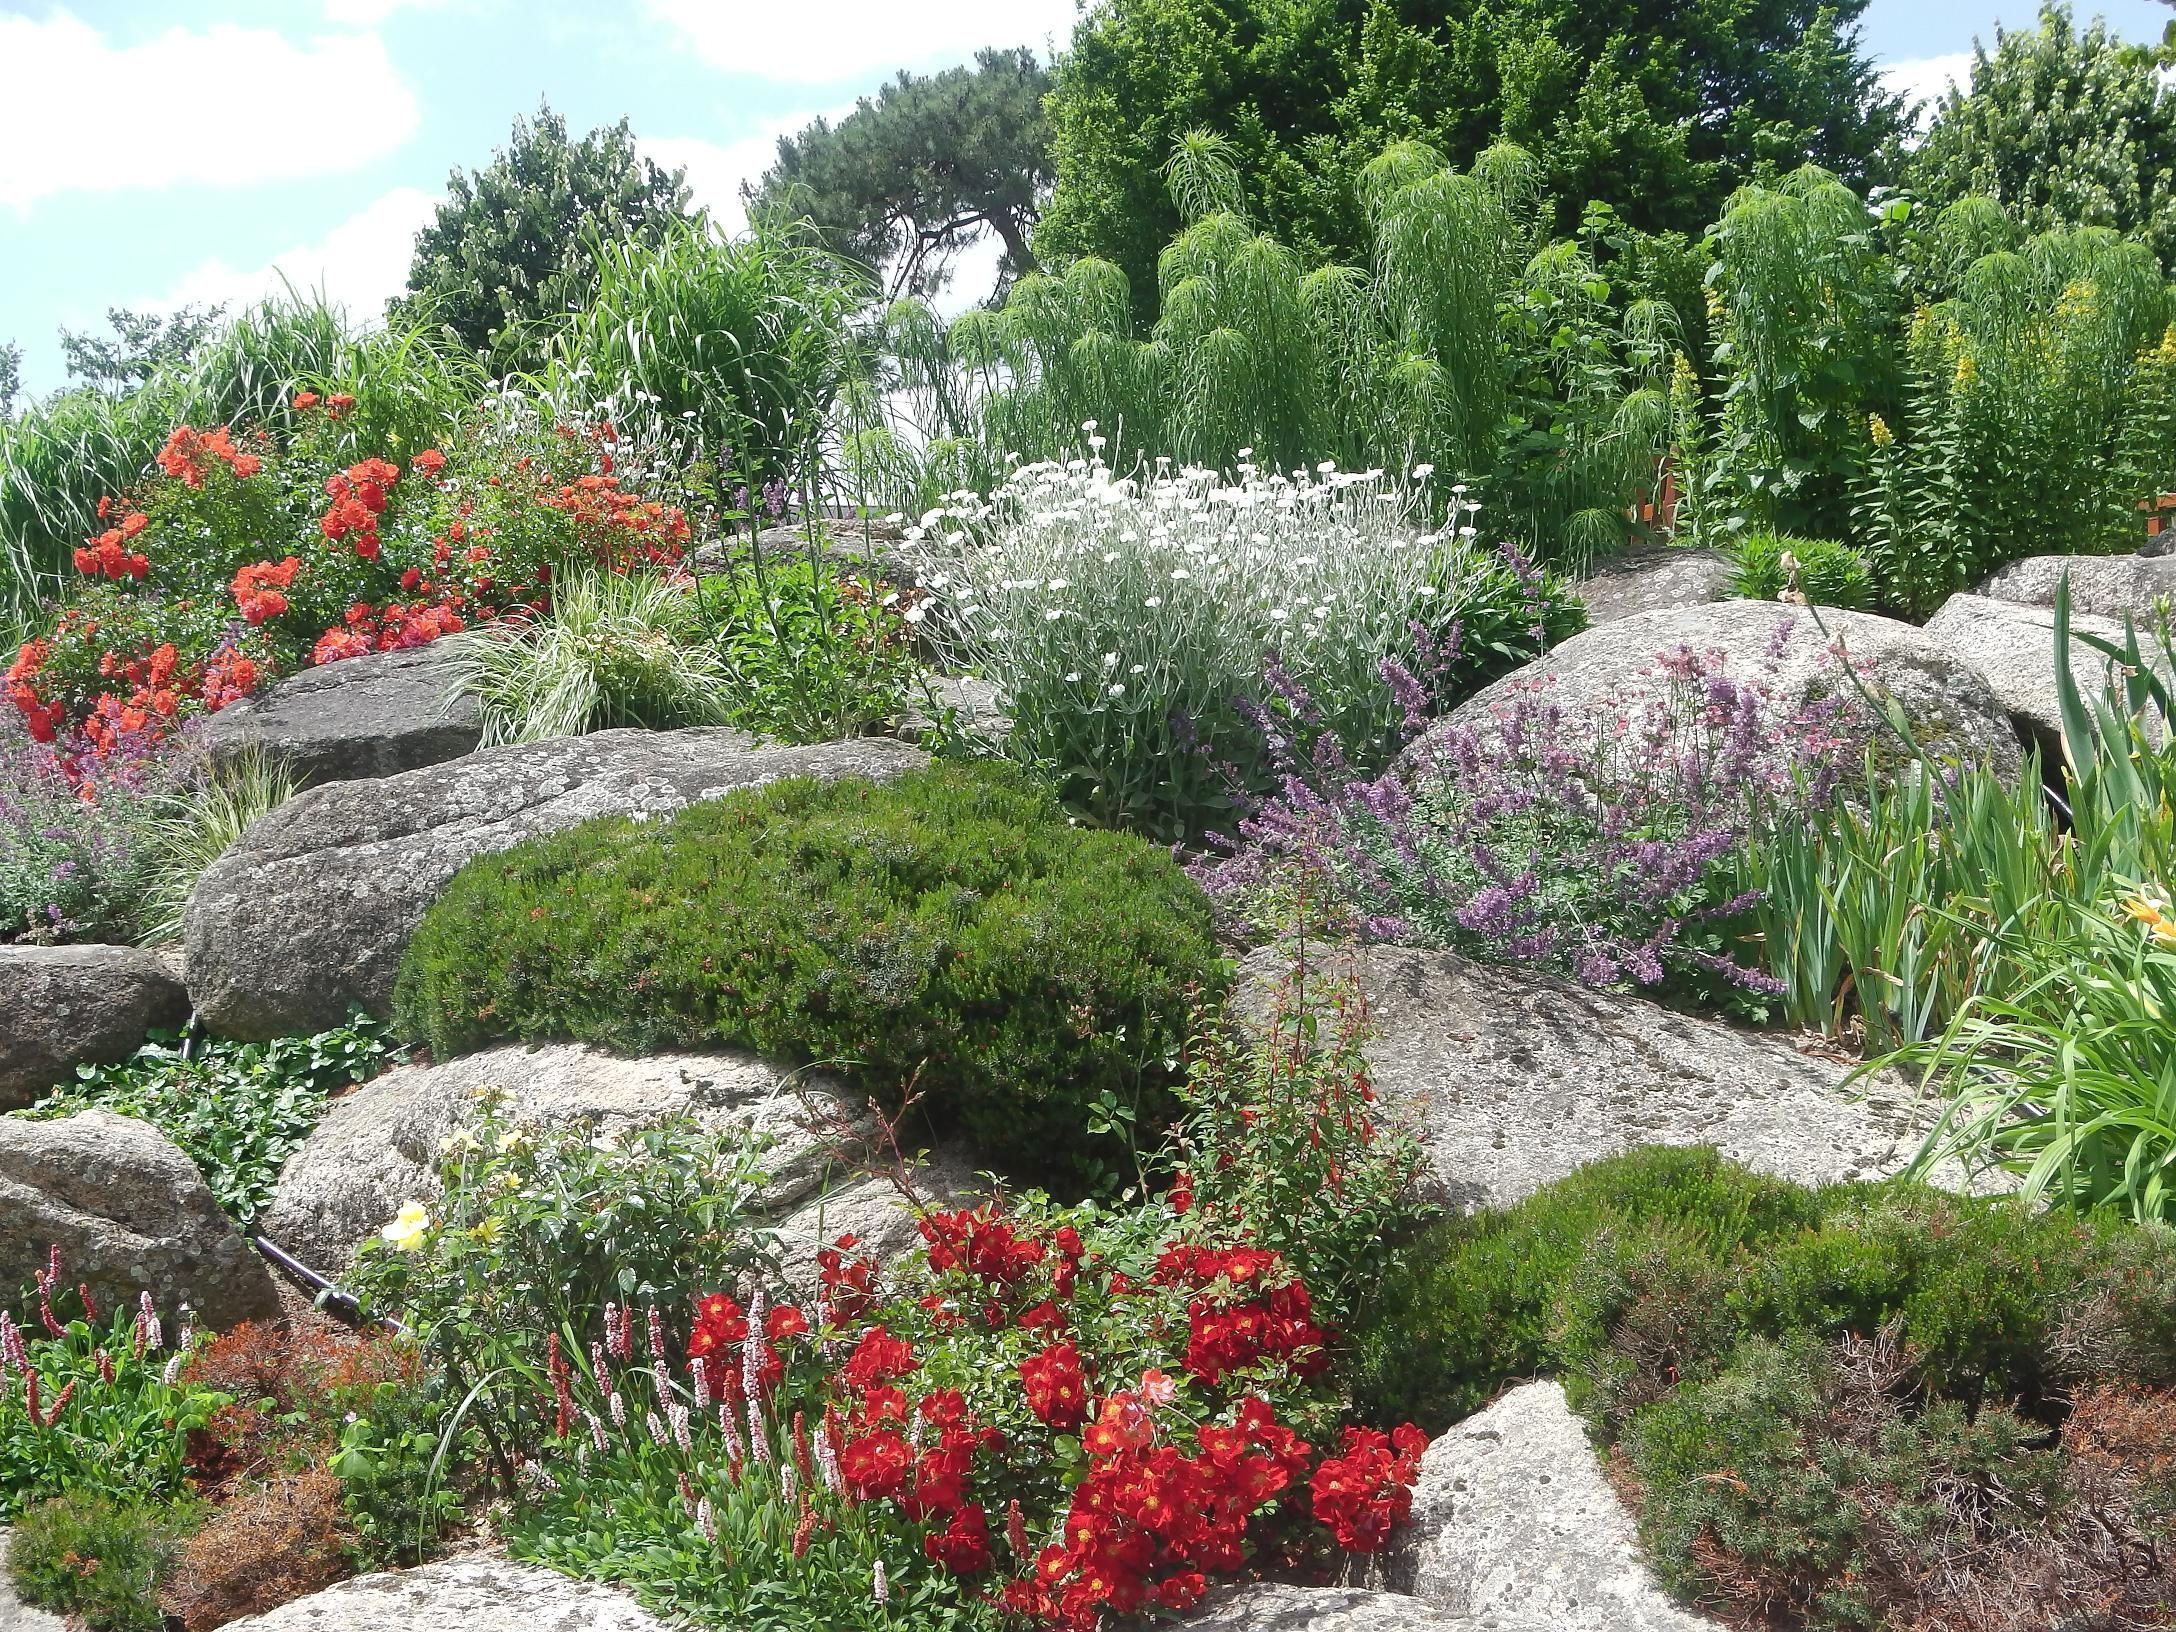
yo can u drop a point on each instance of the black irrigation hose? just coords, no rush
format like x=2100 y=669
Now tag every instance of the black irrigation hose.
x=330 y=1298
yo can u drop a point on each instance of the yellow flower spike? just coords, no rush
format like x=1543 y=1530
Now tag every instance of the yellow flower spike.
x=408 y=1229
x=1878 y=429
x=1968 y=371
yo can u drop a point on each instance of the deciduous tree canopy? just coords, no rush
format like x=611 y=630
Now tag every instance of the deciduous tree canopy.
x=2061 y=128
x=1659 y=111
x=512 y=243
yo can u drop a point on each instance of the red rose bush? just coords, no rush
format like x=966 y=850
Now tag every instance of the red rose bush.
x=1045 y=1417
x=243 y=558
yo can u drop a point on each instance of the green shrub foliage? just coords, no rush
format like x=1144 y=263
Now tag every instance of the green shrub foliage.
x=1470 y=1304
x=90 y=1555
x=949 y=929
x=1827 y=573
x=1852 y=1408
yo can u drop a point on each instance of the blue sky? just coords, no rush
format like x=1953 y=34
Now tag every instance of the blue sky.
x=154 y=153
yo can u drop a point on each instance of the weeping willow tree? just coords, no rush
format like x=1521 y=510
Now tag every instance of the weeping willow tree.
x=1468 y=344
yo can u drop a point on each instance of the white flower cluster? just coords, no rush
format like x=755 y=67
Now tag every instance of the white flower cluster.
x=1156 y=591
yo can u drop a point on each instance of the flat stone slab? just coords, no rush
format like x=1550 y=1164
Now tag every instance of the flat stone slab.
x=130 y=1213
x=377 y=715
x=312 y=908
x=2107 y=586
x=481 y=1594
x=2013 y=647
x=378 y=1147
x=1511 y=1079
x=65 y=1006
x=1651 y=579
x=1268 y=1606
x=1512 y=1517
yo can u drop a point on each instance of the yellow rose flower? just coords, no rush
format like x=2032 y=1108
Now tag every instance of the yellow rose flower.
x=410 y=1225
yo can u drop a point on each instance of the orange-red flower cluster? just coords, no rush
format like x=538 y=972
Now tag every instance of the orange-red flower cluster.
x=358 y=497
x=109 y=555
x=620 y=527
x=1150 y=1523
x=188 y=454
x=228 y=678
x=392 y=628
x=1230 y=1331
x=1367 y=1492
x=1057 y=1388
x=257 y=588
x=42 y=717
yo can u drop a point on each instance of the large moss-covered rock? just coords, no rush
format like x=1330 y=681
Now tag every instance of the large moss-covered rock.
x=310 y=910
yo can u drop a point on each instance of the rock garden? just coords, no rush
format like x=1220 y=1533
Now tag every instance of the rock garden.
x=616 y=1014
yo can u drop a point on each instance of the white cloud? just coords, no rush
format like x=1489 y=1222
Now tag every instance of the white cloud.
x=1925 y=79
x=207 y=107
x=370 y=13
x=833 y=41
x=359 y=264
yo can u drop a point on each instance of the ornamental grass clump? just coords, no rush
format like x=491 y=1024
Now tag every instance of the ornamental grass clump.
x=1126 y=620
x=948 y=930
x=1598 y=844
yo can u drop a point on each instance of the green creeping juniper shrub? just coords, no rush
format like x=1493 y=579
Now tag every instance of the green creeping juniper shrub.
x=1802 y=1479
x=1829 y=573
x=102 y=1559
x=1469 y=1305
x=950 y=928
x=1985 y=1288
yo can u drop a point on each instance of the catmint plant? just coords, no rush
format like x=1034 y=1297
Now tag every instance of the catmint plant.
x=1597 y=844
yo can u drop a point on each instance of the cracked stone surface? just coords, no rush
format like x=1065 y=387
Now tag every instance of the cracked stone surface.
x=131 y=1214
x=2107 y=586
x=1510 y=1079
x=480 y=1594
x=312 y=907
x=376 y=715
x=2013 y=647
x=1513 y=1518
x=64 y=1006
x=1783 y=649
x=1645 y=580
